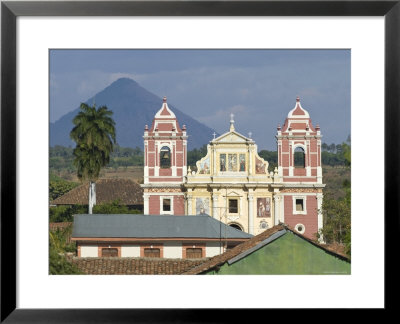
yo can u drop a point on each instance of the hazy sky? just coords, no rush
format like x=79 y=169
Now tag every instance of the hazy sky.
x=258 y=86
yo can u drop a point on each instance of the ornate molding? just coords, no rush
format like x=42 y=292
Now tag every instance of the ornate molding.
x=300 y=190
x=162 y=190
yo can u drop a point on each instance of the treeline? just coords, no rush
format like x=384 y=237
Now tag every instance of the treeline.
x=61 y=157
x=64 y=213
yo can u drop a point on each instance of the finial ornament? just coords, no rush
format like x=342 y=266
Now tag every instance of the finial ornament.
x=298 y=99
x=164 y=99
x=250 y=133
x=214 y=134
x=232 y=128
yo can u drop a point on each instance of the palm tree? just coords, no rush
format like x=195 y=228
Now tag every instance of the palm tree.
x=94 y=134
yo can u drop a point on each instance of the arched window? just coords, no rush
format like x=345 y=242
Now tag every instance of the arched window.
x=165 y=157
x=299 y=158
x=236 y=226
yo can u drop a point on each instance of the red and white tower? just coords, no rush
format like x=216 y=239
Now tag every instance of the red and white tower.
x=300 y=171
x=165 y=149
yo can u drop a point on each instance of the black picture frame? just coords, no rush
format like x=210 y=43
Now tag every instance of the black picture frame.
x=10 y=10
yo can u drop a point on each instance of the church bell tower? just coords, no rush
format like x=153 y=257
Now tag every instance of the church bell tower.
x=165 y=151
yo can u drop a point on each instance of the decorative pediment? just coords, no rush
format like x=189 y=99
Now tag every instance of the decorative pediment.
x=232 y=137
x=233 y=194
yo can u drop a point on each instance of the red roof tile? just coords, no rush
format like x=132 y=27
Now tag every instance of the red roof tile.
x=126 y=191
x=134 y=266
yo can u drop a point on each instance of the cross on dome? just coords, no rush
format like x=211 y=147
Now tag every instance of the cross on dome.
x=214 y=134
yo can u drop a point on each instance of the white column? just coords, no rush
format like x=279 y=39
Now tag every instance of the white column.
x=320 y=216
x=174 y=165
x=146 y=203
x=215 y=205
x=250 y=215
x=281 y=203
x=319 y=175
x=250 y=165
x=214 y=163
x=92 y=195
x=276 y=209
x=189 y=201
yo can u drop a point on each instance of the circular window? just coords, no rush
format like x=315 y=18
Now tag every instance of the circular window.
x=263 y=225
x=300 y=228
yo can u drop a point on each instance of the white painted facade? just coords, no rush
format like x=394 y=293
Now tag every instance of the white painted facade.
x=213 y=249
x=130 y=251
x=89 y=251
x=173 y=250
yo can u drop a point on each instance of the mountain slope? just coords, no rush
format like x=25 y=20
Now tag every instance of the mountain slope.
x=133 y=108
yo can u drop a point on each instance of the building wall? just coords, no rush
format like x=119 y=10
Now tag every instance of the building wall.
x=308 y=219
x=288 y=254
x=168 y=249
x=89 y=251
x=213 y=249
x=130 y=251
x=173 y=250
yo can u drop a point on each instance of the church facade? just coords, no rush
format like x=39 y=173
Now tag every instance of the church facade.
x=232 y=183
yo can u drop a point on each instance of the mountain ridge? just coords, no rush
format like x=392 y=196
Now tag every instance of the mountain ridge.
x=133 y=107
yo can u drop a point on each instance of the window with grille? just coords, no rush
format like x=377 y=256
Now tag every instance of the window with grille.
x=109 y=252
x=233 y=206
x=152 y=253
x=194 y=253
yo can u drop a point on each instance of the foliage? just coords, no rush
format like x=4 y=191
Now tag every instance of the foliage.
x=59 y=187
x=113 y=208
x=337 y=220
x=94 y=134
x=65 y=213
x=271 y=157
x=332 y=159
x=337 y=212
x=61 y=158
x=196 y=155
x=58 y=246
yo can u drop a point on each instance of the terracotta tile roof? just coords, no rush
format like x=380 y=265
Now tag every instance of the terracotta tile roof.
x=219 y=260
x=133 y=266
x=126 y=191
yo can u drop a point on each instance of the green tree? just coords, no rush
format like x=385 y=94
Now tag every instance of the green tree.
x=113 y=208
x=59 y=187
x=195 y=155
x=337 y=212
x=271 y=157
x=65 y=213
x=94 y=134
x=58 y=246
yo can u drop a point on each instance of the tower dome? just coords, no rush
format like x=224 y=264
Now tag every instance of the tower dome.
x=298 y=111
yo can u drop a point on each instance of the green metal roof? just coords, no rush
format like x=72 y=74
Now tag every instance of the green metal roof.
x=152 y=226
